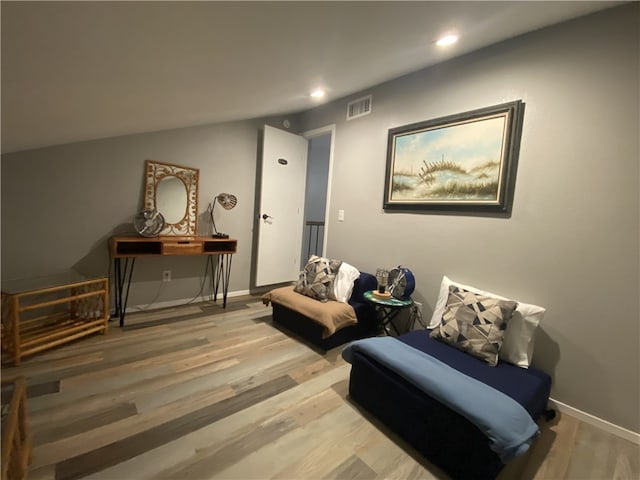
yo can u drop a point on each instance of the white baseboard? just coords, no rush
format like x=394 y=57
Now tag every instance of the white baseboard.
x=597 y=422
x=182 y=301
x=239 y=293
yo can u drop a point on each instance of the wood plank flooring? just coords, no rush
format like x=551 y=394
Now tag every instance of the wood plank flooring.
x=198 y=392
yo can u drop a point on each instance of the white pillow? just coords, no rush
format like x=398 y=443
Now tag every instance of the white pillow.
x=343 y=283
x=517 y=346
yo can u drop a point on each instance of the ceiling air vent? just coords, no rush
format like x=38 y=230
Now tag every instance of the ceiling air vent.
x=359 y=107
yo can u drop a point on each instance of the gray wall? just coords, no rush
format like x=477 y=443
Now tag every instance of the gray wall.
x=61 y=204
x=571 y=243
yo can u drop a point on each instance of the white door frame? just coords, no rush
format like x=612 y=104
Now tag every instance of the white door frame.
x=316 y=133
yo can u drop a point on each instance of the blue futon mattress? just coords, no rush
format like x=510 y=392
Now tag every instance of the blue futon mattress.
x=443 y=436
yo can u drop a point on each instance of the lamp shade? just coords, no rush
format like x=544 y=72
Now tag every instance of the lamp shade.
x=227 y=200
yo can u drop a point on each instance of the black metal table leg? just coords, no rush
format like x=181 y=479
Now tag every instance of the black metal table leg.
x=118 y=282
x=226 y=276
x=386 y=316
x=214 y=261
x=120 y=278
x=220 y=274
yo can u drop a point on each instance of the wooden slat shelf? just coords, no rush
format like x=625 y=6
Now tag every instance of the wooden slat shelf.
x=36 y=319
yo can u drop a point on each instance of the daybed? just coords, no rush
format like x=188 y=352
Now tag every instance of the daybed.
x=325 y=324
x=455 y=435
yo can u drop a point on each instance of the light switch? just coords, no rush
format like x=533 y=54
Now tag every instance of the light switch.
x=341 y=215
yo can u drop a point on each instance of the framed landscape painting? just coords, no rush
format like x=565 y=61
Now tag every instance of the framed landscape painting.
x=460 y=163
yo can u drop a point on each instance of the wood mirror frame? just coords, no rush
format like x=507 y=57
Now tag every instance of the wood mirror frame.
x=182 y=220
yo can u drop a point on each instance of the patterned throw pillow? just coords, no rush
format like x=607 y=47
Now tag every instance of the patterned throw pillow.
x=474 y=323
x=316 y=280
x=519 y=337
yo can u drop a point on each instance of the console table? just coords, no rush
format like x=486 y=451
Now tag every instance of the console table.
x=218 y=251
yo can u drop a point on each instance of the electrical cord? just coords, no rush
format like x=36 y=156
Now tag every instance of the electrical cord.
x=204 y=279
x=144 y=308
x=189 y=302
x=415 y=313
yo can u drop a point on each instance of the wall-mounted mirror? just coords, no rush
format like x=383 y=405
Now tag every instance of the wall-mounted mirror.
x=173 y=191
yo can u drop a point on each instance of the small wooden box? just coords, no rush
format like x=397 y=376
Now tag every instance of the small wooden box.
x=42 y=313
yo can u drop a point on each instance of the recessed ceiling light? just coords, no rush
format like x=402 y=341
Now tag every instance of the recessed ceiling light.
x=449 y=39
x=317 y=93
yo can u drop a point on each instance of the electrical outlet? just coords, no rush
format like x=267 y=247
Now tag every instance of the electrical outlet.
x=166 y=276
x=341 y=215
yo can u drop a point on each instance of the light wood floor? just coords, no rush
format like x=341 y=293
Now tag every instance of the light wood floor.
x=205 y=393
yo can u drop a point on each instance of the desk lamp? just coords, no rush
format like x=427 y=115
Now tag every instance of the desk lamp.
x=228 y=201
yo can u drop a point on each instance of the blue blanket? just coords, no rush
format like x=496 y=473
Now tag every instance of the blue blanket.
x=508 y=426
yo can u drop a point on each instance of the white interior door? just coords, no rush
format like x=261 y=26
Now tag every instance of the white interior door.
x=282 y=188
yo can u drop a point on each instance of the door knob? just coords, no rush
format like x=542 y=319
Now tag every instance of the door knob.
x=265 y=216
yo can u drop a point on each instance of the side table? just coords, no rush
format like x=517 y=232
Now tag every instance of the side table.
x=387 y=309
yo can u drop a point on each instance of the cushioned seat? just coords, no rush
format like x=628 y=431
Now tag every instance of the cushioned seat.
x=443 y=436
x=467 y=333
x=313 y=331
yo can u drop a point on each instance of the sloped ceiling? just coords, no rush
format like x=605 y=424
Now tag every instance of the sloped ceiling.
x=74 y=71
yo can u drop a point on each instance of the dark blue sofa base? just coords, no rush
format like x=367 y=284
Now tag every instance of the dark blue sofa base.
x=443 y=436
x=312 y=332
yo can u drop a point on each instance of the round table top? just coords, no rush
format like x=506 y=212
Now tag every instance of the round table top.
x=387 y=302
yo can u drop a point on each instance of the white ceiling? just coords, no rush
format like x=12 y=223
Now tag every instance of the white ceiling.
x=74 y=71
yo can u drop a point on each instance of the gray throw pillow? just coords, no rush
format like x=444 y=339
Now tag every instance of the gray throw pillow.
x=474 y=323
x=316 y=280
